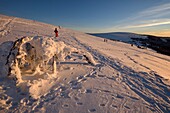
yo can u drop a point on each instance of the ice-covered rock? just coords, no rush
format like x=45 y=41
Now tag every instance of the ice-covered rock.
x=36 y=57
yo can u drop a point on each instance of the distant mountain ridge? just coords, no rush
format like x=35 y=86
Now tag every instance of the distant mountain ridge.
x=159 y=44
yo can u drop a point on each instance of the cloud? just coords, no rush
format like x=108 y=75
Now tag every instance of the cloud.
x=160 y=10
x=150 y=23
x=165 y=33
x=154 y=16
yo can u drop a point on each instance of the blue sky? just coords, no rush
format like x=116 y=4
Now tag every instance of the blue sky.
x=140 y=16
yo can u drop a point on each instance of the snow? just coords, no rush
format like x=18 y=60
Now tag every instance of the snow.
x=120 y=36
x=92 y=75
x=164 y=40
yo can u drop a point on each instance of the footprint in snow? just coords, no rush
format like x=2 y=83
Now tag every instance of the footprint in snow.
x=64 y=94
x=134 y=98
x=75 y=84
x=111 y=78
x=1 y=108
x=8 y=102
x=76 y=98
x=101 y=75
x=102 y=105
x=88 y=91
x=65 y=106
x=64 y=79
x=114 y=106
x=127 y=107
x=119 y=96
x=79 y=103
x=91 y=110
x=53 y=103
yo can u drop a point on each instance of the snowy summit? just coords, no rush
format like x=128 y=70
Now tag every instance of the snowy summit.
x=76 y=72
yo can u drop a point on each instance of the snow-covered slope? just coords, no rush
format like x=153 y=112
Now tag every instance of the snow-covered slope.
x=125 y=78
x=119 y=36
x=159 y=44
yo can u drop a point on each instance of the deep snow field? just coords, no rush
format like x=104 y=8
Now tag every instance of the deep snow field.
x=119 y=77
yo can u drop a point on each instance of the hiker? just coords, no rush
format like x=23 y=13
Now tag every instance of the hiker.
x=105 y=40
x=56 y=32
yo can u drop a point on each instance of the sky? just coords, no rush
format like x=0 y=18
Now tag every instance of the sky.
x=96 y=16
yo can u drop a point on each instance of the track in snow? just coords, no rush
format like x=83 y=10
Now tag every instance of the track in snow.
x=149 y=86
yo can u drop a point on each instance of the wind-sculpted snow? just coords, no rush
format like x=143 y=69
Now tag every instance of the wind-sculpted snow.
x=36 y=57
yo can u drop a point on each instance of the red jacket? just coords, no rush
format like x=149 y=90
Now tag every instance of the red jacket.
x=56 y=32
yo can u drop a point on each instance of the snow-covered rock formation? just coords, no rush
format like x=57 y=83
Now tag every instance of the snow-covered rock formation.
x=38 y=55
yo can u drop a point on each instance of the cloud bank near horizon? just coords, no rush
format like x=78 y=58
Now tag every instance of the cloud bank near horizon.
x=152 y=17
